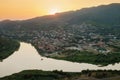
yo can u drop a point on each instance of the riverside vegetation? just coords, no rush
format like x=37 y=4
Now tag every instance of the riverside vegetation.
x=7 y=47
x=88 y=57
x=59 y=75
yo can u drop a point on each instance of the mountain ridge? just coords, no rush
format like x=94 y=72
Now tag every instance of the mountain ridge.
x=92 y=14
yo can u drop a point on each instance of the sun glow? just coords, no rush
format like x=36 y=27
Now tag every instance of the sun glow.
x=53 y=11
x=12 y=9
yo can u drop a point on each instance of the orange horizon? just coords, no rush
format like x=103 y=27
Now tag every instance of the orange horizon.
x=25 y=9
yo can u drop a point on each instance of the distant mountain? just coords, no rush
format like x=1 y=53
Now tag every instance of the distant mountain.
x=104 y=14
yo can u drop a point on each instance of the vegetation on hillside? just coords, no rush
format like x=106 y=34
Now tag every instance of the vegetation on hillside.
x=59 y=75
x=88 y=57
x=7 y=47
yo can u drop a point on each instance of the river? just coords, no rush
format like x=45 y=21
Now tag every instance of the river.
x=27 y=58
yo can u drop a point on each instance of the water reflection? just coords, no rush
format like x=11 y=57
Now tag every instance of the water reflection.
x=28 y=58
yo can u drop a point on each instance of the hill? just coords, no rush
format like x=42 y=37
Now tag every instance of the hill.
x=7 y=47
x=104 y=14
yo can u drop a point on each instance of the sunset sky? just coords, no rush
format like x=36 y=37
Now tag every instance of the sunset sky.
x=24 y=9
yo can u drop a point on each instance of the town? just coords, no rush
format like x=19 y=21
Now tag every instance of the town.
x=83 y=37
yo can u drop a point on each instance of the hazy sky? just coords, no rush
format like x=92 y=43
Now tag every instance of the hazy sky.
x=23 y=9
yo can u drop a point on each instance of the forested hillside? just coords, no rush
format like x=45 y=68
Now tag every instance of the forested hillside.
x=7 y=47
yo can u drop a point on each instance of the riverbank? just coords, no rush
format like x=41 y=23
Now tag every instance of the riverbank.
x=88 y=57
x=59 y=75
x=7 y=47
x=27 y=58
